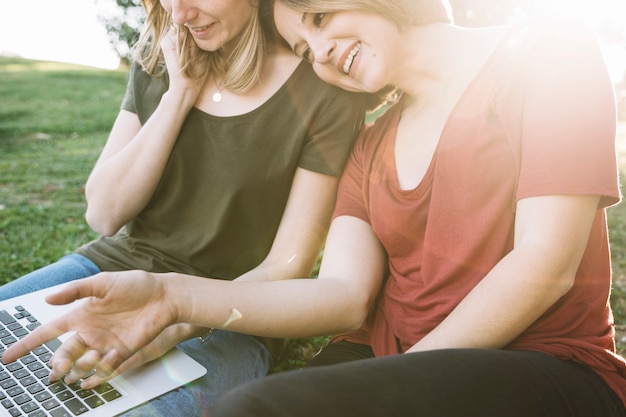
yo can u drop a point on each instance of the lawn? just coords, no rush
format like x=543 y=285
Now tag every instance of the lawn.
x=54 y=119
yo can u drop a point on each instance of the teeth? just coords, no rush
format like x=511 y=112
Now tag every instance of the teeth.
x=199 y=29
x=350 y=58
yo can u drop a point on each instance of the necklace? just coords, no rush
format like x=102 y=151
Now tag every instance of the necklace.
x=217 y=96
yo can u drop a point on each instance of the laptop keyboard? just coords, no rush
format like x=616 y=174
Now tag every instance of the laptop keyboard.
x=26 y=390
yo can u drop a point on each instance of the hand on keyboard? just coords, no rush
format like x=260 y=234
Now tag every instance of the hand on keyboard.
x=25 y=385
x=120 y=314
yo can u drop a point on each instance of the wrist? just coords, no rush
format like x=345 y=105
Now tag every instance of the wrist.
x=190 y=331
x=180 y=99
x=205 y=334
x=174 y=300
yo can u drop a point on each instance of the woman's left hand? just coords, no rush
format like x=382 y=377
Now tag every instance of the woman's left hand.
x=122 y=313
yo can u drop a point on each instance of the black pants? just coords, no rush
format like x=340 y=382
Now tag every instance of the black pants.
x=443 y=383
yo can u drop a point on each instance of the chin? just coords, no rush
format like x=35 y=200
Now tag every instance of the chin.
x=347 y=85
x=356 y=89
x=208 y=48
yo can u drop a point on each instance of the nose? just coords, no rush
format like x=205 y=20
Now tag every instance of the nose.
x=322 y=50
x=183 y=11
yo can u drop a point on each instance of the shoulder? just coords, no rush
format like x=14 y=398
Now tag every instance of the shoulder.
x=302 y=81
x=555 y=52
x=141 y=77
x=146 y=90
x=377 y=129
x=309 y=84
x=559 y=26
x=549 y=33
x=322 y=101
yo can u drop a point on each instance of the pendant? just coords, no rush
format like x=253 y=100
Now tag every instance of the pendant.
x=217 y=97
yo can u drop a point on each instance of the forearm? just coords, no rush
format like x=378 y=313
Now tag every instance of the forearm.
x=285 y=265
x=504 y=304
x=121 y=184
x=303 y=229
x=291 y=308
x=551 y=234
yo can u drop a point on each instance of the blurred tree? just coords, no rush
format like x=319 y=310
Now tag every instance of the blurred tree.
x=123 y=20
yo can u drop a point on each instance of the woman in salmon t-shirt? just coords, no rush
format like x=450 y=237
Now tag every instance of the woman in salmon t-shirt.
x=483 y=192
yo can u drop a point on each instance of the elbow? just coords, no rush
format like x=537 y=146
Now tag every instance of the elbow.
x=554 y=286
x=101 y=224
x=565 y=284
x=100 y=213
x=564 y=278
x=357 y=313
x=355 y=322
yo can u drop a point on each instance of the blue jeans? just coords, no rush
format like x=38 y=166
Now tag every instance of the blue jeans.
x=66 y=269
x=230 y=358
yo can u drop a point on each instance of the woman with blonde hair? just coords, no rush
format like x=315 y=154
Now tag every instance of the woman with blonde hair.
x=223 y=163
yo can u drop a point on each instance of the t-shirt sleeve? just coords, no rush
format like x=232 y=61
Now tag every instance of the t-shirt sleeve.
x=353 y=194
x=350 y=197
x=128 y=102
x=143 y=92
x=569 y=117
x=332 y=134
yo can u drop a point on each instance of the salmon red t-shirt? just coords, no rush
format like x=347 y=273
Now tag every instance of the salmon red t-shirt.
x=538 y=119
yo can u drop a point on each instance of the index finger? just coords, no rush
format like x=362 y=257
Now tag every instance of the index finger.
x=41 y=335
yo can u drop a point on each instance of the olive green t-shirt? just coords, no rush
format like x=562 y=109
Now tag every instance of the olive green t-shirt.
x=220 y=200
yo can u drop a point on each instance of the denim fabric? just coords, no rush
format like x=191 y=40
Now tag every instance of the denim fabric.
x=66 y=269
x=230 y=358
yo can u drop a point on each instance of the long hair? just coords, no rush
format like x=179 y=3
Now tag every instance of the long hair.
x=238 y=71
x=402 y=12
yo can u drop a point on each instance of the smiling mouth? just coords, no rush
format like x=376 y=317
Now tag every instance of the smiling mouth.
x=198 y=29
x=350 y=58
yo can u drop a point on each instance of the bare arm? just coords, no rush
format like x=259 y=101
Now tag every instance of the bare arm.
x=551 y=234
x=134 y=157
x=108 y=331
x=302 y=230
x=296 y=247
x=338 y=300
x=299 y=239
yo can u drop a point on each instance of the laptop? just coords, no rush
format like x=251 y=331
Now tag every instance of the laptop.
x=25 y=389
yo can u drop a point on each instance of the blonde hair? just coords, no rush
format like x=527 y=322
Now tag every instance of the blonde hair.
x=402 y=12
x=238 y=71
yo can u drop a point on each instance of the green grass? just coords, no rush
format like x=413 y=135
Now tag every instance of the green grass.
x=54 y=120
x=617 y=233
